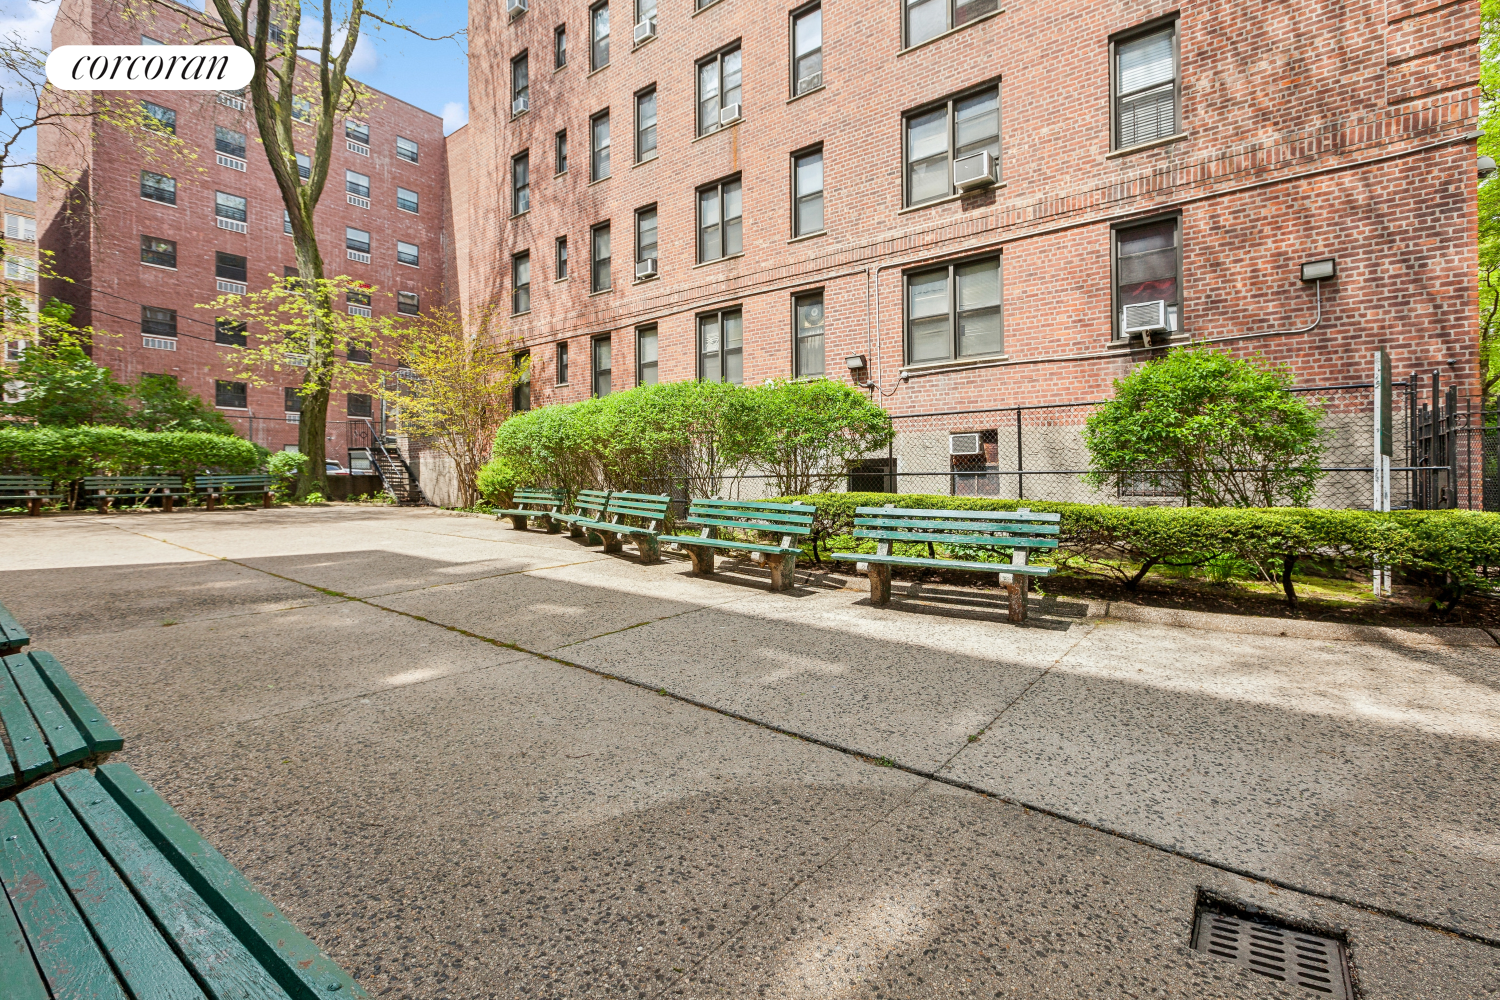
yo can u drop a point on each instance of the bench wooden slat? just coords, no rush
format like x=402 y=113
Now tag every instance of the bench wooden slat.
x=67 y=953
x=1008 y=541
x=971 y=515
x=767 y=517
x=965 y=564
x=28 y=746
x=139 y=953
x=301 y=969
x=775 y=529
x=211 y=949
x=19 y=977
x=68 y=744
x=101 y=736
x=12 y=635
x=897 y=522
x=726 y=543
x=754 y=504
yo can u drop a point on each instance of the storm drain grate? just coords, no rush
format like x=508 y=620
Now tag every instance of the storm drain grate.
x=1292 y=956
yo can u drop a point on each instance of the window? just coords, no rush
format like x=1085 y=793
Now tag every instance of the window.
x=158 y=322
x=645 y=10
x=406 y=253
x=520 y=393
x=645 y=125
x=937 y=136
x=406 y=149
x=520 y=183
x=230 y=267
x=562 y=363
x=356 y=239
x=357 y=354
x=1145 y=87
x=927 y=19
x=808 y=319
x=807 y=50
x=645 y=356
x=154 y=187
x=230 y=206
x=560 y=149
x=229 y=394
x=406 y=200
x=720 y=347
x=562 y=257
x=158 y=117
x=560 y=46
x=357 y=183
x=304 y=165
x=162 y=253
x=291 y=399
x=358 y=405
x=355 y=297
x=229 y=142
x=229 y=331
x=599 y=36
x=1147 y=265
x=520 y=272
x=301 y=109
x=520 y=88
x=286 y=221
x=719 y=221
x=148 y=40
x=718 y=87
x=645 y=234
x=599 y=146
x=600 y=259
x=954 y=312
x=23 y=227
x=407 y=303
x=20 y=269
x=601 y=365
x=358 y=131
x=807 y=193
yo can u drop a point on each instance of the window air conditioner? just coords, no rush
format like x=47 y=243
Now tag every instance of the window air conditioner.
x=810 y=82
x=522 y=103
x=729 y=114
x=963 y=444
x=645 y=268
x=975 y=171
x=514 y=7
x=645 y=29
x=1143 y=317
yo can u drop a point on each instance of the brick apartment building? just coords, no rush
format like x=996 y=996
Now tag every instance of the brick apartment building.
x=956 y=203
x=167 y=232
x=18 y=279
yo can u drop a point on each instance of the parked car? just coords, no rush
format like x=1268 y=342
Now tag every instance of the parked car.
x=332 y=467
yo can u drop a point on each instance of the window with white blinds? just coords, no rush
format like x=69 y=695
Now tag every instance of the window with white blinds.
x=20 y=227
x=1146 y=88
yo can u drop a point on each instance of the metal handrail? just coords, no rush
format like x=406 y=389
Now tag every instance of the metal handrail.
x=376 y=442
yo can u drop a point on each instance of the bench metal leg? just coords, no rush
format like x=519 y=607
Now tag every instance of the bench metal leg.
x=574 y=531
x=166 y=503
x=592 y=537
x=880 y=583
x=703 y=558
x=209 y=501
x=783 y=571
x=34 y=508
x=265 y=499
x=649 y=548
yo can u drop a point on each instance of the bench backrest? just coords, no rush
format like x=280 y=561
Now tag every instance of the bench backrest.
x=651 y=507
x=230 y=482
x=551 y=499
x=19 y=485
x=132 y=483
x=999 y=528
x=591 y=502
x=773 y=518
x=12 y=635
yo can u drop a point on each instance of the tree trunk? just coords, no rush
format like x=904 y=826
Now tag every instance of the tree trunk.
x=1135 y=581
x=312 y=439
x=312 y=434
x=1287 y=563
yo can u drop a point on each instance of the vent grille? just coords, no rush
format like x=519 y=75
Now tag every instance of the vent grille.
x=232 y=287
x=963 y=444
x=159 y=343
x=229 y=161
x=356 y=256
x=1299 y=958
x=357 y=201
x=355 y=147
x=232 y=225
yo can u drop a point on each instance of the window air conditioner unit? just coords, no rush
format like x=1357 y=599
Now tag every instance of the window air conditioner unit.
x=729 y=114
x=811 y=82
x=1143 y=317
x=645 y=29
x=645 y=268
x=975 y=171
x=522 y=103
x=963 y=444
x=514 y=7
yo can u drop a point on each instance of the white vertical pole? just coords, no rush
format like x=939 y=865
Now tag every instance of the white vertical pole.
x=1381 y=468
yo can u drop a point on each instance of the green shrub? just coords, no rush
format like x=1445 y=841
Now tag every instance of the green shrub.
x=287 y=467
x=64 y=454
x=1453 y=548
x=497 y=482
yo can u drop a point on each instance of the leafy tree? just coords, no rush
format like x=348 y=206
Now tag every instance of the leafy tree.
x=163 y=405
x=56 y=383
x=1223 y=430
x=804 y=434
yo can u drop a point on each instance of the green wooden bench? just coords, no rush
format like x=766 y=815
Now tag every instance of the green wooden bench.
x=30 y=490
x=789 y=521
x=48 y=721
x=114 y=895
x=216 y=488
x=542 y=504
x=611 y=528
x=588 y=505
x=1020 y=531
x=105 y=490
x=12 y=635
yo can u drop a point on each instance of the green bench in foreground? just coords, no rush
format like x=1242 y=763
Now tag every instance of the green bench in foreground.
x=49 y=722
x=788 y=521
x=611 y=529
x=1019 y=530
x=542 y=504
x=216 y=488
x=12 y=635
x=114 y=895
x=105 y=490
x=30 y=490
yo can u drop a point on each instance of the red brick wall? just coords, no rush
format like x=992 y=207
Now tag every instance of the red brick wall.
x=1332 y=130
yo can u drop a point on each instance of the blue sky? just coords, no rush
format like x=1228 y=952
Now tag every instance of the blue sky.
x=433 y=76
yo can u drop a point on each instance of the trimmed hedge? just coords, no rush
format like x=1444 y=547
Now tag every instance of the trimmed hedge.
x=65 y=454
x=1454 y=547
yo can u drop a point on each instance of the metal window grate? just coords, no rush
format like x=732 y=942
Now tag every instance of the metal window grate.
x=1292 y=956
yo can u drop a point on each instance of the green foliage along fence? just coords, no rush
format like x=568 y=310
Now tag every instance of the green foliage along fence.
x=65 y=454
x=1452 y=548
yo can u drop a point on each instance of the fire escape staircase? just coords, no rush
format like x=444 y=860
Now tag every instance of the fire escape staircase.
x=395 y=475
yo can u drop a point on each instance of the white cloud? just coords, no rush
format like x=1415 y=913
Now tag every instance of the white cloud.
x=29 y=19
x=20 y=182
x=455 y=116
x=363 y=62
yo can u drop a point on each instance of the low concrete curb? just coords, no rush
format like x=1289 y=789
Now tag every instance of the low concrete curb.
x=1296 y=629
